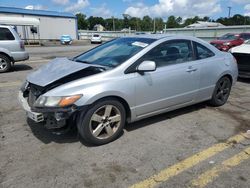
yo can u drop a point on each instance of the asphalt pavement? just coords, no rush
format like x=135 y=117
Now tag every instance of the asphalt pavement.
x=197 y=146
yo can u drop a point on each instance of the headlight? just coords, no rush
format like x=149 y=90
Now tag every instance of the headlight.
x=227 y=44
x=47 y=101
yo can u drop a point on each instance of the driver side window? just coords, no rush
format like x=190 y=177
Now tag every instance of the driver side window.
x=170 y=52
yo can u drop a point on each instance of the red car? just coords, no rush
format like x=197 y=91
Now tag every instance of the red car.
x=229 y=40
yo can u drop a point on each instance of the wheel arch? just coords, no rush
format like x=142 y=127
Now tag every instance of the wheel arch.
x=228 y=76
x=122 y=101
x=7 y=55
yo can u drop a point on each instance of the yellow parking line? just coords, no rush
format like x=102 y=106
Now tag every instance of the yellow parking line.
x=177 y=168
x=210 y=175
x=10 y=84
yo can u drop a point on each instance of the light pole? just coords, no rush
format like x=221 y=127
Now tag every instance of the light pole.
x=229 y=11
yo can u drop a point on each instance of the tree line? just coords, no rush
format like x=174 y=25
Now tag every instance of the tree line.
x=152 y=24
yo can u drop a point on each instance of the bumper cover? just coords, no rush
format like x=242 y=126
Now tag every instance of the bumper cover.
x=37 y=117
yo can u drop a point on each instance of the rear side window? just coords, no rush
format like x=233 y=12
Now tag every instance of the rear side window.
x=202 y=52
x=5 y=34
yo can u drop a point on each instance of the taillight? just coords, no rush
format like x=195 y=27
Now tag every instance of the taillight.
x=21 y=44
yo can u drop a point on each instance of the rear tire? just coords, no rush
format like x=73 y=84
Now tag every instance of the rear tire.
x=221 y=92
x=103 y=122
x=5 y=63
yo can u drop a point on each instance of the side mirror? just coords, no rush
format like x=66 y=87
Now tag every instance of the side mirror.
x=146 y=66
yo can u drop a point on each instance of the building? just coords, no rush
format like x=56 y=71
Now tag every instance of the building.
x=39 y=24
x=98 y=27
x=201 y=24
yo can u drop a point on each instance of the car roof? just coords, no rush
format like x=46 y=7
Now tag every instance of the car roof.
x=151 y=36
x=5 y=26
x=162 y=36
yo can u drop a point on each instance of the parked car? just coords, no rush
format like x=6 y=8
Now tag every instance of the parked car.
x=11 y=48
x=242 y=55
x=229 y=40
x=66 y=39
x=96 y=38
x=125 y=80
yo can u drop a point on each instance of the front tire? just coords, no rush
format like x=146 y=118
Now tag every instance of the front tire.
x=221 y=92
x=103 y=122
x=5 y=63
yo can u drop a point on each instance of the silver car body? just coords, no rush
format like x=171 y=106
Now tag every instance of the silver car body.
x=165 y=89
x=14 y=49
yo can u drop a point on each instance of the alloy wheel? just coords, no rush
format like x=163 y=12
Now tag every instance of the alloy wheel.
x=105 y=121
x=223 y=90
x=3 y=64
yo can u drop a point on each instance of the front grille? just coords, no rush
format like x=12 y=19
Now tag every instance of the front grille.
x=31 y=98
x=34 y=92
x=243 y=61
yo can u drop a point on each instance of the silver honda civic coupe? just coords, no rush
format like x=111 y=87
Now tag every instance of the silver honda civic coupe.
x=125 y=80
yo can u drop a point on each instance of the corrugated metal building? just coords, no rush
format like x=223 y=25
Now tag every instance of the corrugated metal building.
x=52 y=25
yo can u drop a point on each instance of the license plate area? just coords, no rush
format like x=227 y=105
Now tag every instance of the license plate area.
x=37 y=117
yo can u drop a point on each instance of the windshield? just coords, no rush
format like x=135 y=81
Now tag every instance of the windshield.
x=228 y=37
x=115 y=52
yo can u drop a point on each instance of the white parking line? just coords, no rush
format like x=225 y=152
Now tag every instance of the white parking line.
x=38 y=60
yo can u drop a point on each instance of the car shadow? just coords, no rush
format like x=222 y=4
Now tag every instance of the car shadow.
x=71 y=136
x=47 y=136
x=244 y=80
x=20 y=67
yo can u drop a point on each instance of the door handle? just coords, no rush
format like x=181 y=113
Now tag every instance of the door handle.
x=191 y=69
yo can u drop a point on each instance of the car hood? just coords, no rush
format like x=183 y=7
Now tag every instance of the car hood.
x=244 y=48
x=55 y=70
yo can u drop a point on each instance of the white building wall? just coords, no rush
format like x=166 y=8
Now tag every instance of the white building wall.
x=49 y=28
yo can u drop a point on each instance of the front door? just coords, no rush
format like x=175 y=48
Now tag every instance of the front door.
x=174 y=82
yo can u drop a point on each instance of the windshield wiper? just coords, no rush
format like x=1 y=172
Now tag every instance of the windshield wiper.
x=81 y=61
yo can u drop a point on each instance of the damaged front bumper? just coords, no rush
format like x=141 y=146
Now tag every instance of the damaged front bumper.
x=53 y=118
x=37 y=117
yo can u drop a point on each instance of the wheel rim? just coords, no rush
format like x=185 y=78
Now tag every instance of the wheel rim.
x=223 y=90
x=105 y=121
x=3 y=64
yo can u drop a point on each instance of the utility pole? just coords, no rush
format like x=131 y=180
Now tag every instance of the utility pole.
x=229 y=11
x=154 y=26
x=113 y=23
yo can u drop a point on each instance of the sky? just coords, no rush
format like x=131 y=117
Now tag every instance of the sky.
x=138 y=8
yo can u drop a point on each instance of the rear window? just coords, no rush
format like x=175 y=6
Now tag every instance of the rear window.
x=245 y=36
x=229 y=37
x=5 y=34
x=96 y=35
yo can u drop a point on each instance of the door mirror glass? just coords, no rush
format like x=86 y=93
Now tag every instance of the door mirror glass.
x=146 y=66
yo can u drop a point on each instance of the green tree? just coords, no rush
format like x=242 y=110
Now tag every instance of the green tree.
x=159 y=24
x=147 y=24
x=172 y=22
x=95 y=20
x=81 y=21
